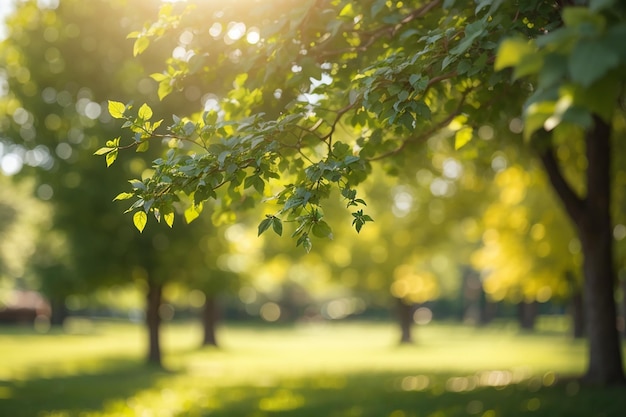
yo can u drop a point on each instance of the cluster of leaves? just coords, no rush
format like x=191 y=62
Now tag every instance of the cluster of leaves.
x=578 y=67
x=241 y=156
x=390 y=74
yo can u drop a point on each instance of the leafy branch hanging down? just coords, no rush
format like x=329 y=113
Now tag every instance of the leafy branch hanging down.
x=243 y=157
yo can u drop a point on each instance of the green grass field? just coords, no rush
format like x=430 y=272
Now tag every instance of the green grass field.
x=314 y=370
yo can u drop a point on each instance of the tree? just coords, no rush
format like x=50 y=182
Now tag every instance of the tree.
x=23 y=221
x=393 y=74
x=522 y=262
x=52 y=116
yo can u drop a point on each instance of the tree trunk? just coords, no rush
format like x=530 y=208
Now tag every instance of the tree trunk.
x=153 y=321
x=210 y=317
x=488 y=309
x=623 y=324
x=605 y=360
x=576 y=308
x=471 y=294
x=592 y=218
x=58 y=311
x=578 y=318
x=527 y=314
x=405 y=319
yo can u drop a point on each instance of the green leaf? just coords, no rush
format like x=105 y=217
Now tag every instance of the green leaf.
x=192 y=213
x=264 y=225
x=360 y=219
x=305 y=241
x=141 y=44
x=322 y=229
x=138 y=184
x=164 y=89
x=511 y=52
x=156 y=125
x=277 y=226
x=116 y=109
x=143 y=146
x=140 y=219
x=472 y=31
x=169 y=218
x=377 y=7
x=579 y=16
x=597 y=5
x=536 y=115
x=103 y=150
x=158 y=76
x=111 y=157
x=114 y=143
x=601 y=98
x=145 y=112
x=590 y=61
x=256 y=182
x=531 y=64
x=347 y=10
x=462 y=137
x=124 y=196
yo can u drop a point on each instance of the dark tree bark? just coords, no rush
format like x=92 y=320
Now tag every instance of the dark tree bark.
x=210 y=317
x=623 y=324
x=488 y=309
x=578 y=318
x=527 y=314
x=471 y=294
x=58 y=311
x=153 y=321
x=592 y=219
x=405 y=319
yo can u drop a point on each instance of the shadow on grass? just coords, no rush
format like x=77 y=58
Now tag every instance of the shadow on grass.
x=130 y=389
x=401 y=395
x=77 y=393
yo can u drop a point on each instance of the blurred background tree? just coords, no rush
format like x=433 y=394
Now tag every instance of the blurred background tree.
x=60 y=65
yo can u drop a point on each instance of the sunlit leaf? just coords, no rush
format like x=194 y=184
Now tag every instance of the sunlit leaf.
x=347 y=10
x=124 y=196
x=103 y=150
x=169 y=218
x=462 y=137
x=511 y=52
x=116 y=109
x=111 y=157
x=164 y=89
x=140 y=219
x=143 y=146
x=192 y=213
x=145 y=112
x=140 y=45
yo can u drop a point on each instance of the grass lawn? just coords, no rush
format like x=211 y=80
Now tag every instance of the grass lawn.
x=316 y=370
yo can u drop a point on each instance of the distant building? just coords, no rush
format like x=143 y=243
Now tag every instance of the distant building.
x=23 y=307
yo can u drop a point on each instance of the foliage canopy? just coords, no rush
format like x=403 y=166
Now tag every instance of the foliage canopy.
x=318 y=91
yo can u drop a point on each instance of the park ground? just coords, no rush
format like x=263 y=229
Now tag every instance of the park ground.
x=355 y=369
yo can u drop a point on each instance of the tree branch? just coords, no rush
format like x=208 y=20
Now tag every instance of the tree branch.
x=573 y=204
x=371 y=36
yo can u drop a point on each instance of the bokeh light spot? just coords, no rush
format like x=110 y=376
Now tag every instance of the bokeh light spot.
x=270 y=312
